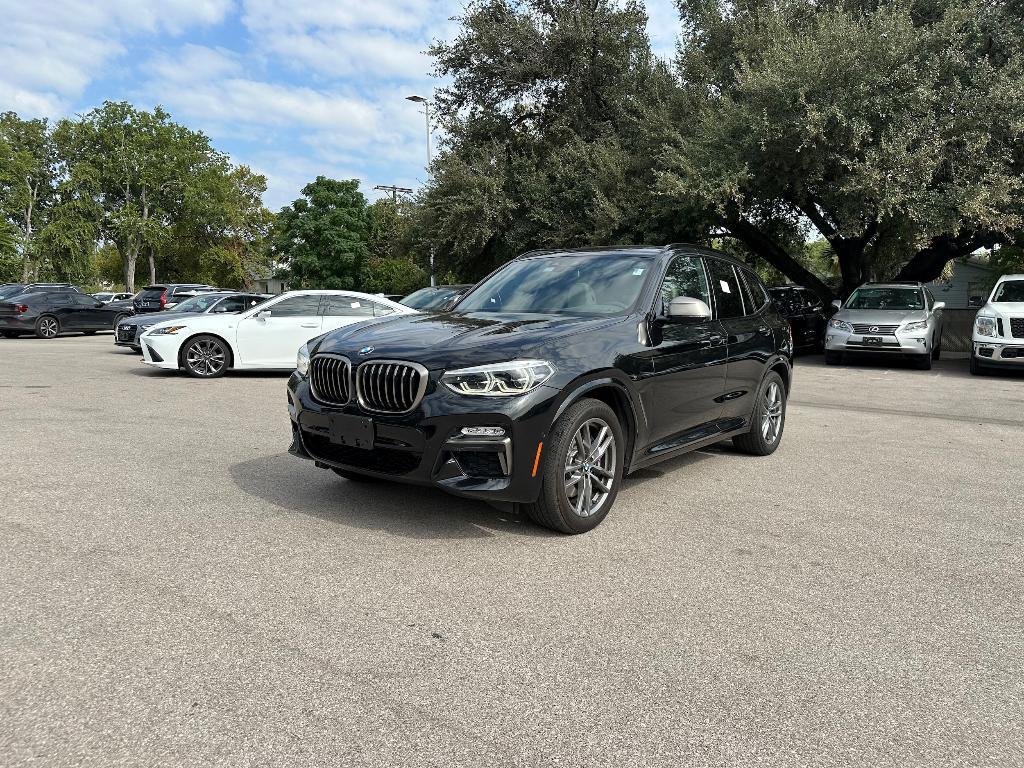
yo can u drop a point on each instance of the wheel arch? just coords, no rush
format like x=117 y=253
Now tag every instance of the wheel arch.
x=616 y=396
x=219 y=336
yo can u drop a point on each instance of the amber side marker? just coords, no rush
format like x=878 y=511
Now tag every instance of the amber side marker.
x=536 y=461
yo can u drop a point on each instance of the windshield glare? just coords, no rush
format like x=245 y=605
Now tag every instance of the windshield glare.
x=886 y=298
x=1010 y=290
x=428 y=298
x=197 y=303
x=606 y=284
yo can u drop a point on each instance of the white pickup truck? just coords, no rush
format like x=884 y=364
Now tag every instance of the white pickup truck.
x=998 y=339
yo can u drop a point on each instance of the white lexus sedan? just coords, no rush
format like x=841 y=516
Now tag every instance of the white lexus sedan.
x=998 y=339
x=266 y=337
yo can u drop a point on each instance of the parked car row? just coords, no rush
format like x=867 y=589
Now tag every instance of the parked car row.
x=998 y=338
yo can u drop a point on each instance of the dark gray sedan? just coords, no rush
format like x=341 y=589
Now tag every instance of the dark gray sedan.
x=128 y=330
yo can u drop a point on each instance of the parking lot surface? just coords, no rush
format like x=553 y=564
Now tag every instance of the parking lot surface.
x=178 y=590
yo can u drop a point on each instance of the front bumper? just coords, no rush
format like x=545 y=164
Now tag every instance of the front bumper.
x=127 y=335
x=998 y=353
x=160 y=351
x=425 y=447
x=912 y=344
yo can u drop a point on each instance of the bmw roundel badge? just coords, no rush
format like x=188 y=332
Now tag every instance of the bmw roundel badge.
x=365 y=350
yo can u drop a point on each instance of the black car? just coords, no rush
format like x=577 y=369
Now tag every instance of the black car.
x=805 y=312
x=130 y=328
x=436 y=298
x=156 y=298
x=9 y=290
x=51 y=313
x=551 y=379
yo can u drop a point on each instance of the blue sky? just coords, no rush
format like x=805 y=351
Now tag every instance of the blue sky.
x=293 y=89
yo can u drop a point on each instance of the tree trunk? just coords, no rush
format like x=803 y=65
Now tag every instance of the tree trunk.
x=776 y=255
x=152 y=266
x=129 y=258
x=928 y=263
x=854 y=266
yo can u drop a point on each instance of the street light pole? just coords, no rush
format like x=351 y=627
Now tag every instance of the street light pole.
x=426 y=112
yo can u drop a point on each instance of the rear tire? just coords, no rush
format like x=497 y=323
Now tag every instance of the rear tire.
x=768 y=420
x=581 y=469
x=833 y=358
x=205 y=357
x=47 y=327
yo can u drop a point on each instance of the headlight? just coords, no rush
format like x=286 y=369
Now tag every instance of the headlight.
x=985 y=326
x=167 y=330
x=921 y=325
x=516 y=377
x=302 y=361
x=842 y=325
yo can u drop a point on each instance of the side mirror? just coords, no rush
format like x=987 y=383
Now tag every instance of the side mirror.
x=837 y=303
x=684 y=309
x=938 y=305
x=974 y=301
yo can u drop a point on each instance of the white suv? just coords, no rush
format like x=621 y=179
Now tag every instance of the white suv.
x=998 y=340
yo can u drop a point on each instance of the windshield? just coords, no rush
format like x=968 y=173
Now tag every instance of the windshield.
x=429 y=298
x=605 y=284
x=1009 y=290
x=886 y=298
x=197 y=303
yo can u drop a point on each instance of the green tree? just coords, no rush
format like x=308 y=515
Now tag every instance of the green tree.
x=894 y=127
x=28 y=173
x=553 y=121
x=321 y=238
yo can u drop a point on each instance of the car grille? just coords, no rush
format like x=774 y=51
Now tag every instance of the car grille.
x=389 y=461
x=873 y=328
x=126 y=332
x=390 y=386
x=1017 y=327
x=329 y=379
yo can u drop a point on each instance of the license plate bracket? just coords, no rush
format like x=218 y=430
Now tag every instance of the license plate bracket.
x=352 y=431
x=874 y=341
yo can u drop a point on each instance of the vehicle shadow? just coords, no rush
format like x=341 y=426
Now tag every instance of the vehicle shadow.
x=409 y=511
x=151 y=372
x=947 y=367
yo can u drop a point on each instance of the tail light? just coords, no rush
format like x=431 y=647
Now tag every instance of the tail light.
x=163 y=299
x=21 y=308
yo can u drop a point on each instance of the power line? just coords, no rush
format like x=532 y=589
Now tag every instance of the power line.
x=393 y=190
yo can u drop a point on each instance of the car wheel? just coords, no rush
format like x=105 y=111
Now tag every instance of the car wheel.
x=768 y=419
x=582 y=469
x=977 y=369
x=924 y=362
x=117 y=321
x=205 y=357
x=355 y=477
x=47 y=327
x=833 y=358
x=937 y=351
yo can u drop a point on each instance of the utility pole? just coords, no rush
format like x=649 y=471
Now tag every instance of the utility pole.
x=426 y=112
x=393 y=190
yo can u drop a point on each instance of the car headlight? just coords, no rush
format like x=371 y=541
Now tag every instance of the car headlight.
x=985 y=326
x=516 y=377
x=841 y=325
x=921 y=325
x=302 y=361
x=167 y=330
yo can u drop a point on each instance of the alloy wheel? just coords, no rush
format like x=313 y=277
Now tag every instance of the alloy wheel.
x=48 y=327
x=590 y=467
x=206 y=357
x=771 y=418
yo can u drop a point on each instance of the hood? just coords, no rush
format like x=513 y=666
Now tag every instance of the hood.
x=157 y=317
x=447 y=340
x=1005 y=308
x=881 y=316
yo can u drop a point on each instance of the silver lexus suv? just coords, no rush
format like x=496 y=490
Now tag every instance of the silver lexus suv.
x=891 y=318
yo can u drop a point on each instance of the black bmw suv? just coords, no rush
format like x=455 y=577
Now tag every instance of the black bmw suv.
x=555 y=376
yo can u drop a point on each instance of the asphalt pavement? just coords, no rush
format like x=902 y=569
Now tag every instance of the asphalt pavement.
x=175 y=589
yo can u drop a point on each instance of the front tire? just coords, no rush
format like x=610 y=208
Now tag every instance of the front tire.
x=924 y=362
x=205 y=357
x=768 y=419
x=833 y=358
x=977 y=369
x=47 y=327
x=582 y=469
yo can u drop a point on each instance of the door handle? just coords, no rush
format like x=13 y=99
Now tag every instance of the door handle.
x=310 y=325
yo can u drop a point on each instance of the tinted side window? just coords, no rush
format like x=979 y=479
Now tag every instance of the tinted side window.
x=231 y=304
x=59 y=298
x=82 y=300
x=685 y=277
x=296 y=306
x=348 y=306
x=379 y=310
x=727 y=289
x=755 y=290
